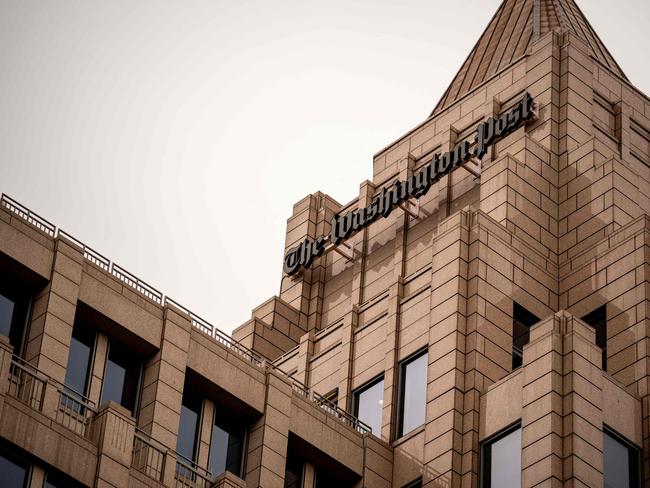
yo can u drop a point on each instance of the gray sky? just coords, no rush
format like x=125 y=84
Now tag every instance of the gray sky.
x=175 y=136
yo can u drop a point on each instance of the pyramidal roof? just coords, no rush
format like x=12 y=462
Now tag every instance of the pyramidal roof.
x=510 y=34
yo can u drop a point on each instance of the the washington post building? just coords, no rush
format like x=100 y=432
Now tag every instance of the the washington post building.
x=478 y=317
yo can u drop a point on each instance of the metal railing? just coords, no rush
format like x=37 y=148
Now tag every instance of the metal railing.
x=26 y=384
x=76 y=408
x=74 y=411
x=26 y=214
x=191 y=475
x=89 y=254
x=148 y=456
x=219 y=336
x=31 y=387
x=327 y=405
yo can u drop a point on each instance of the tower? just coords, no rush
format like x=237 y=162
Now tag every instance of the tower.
x=477 y=317
x=522 y=276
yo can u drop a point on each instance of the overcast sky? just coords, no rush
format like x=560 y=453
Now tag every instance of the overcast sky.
x=175 y=136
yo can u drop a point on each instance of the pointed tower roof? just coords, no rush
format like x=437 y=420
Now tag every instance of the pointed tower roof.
x=510 y=34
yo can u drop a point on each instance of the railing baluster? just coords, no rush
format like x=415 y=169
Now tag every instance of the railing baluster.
x=150 y=292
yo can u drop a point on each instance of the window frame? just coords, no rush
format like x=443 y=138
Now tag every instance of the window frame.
x=637 y=473
x=245 y=427
x=416 y=483
x=138 y=388
x=20 y=460
x=91 y=360
x=401 y=389
x=359 y=390
x=23 y=303
x=198 y=428
x=485 y=458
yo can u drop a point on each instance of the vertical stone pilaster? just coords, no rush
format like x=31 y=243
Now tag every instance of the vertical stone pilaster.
x=50 y=332
x=113 y=430
x=347 y=357
x=389 y=410
x=6 y=352
x=309 y=478
x=163 y=380
x=304 y=291
x=99 y=366
x=562 y=419
x=305 y=353
x=205 y=433
x=542 y=410
x=395 y=294
x=443 y=446
x=366 y=193
x=37 y=477
x=378 y=464
x=583 y=411
x=268 y=437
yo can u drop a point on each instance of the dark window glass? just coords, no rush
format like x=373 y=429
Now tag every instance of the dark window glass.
x=188 y=425
x=598 y=320
x=332 y=396
x=621 y=462
x=226 y=444
x=121 y=377
x=79 y=358
x=13 y=471
x=502 y=461
x=413 y=393
x=522 y=320
x=14 y=311
x=52 y=482
x=60 y=481
x=293 y=471
x=6 y=314
x=326 y=480
x=368 y=403
x=414 y=484
x=329 y=401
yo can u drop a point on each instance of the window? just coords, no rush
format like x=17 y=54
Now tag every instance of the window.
x=522 y=320
x=413 y=393
x=329 y=401
x=414 y=484
x=332 y=396
x=293 y=472
x=52 y=482
x=188 y=426
x=325 y=480
x=368 y=403
x=14 y=471
x=226 y=443
x=121 y=377
x=60 y=481
x=621 y=461
x=501 y=461
x=80 y=356
x=14 y=313
x=598 y=320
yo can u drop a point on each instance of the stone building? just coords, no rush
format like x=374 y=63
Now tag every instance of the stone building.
x=479 y=316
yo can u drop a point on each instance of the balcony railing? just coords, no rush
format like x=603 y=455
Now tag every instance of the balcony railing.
x=191 y=475
x=149 y=456
x=77 y=409
x=327 y=405
x=74 y=411
x=67 y=408
x=26 y=384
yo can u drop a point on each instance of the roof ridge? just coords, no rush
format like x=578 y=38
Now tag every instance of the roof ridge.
x=510 y=33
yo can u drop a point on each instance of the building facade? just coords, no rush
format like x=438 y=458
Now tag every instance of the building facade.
x=478 y=317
